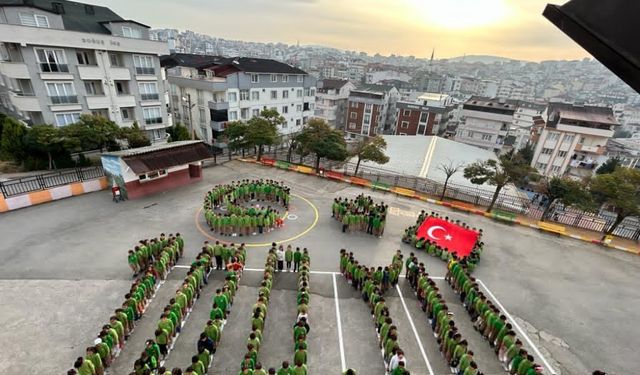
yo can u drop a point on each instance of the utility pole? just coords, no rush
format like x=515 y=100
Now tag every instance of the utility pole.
x=191 y=129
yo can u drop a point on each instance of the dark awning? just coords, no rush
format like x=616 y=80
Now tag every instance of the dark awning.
x=166 y=158
x=607 y=29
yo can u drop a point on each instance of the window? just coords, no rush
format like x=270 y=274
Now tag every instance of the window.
x=562 y=154
x=232 y=97
x=312 y=106
x=404 y=124
x=285 y=94
x=299 y=93
x=153 y=175
x=116 y=60
x=352 y=125
x=127 y=114
x=313 y=92
x=202 y=116
x=424 y=116
x=52 y=60
x=555 y=169
x=285 y=78
x=553 y=136
x=255 y=113
x=542 y=166
x=122 y=87
x=63 y=119
x=306 y=92
x=62 y=92
x=582 y=139
x=406 y=112
x=285 y=109
x=367 y=119
x=86 y=58
x=149 y=91
x=353 y=105
x=35 y=20
x=274 y=78
x=244 y=94
x=255 y=96
x=144 y=64
x=353 y=115
x=568 y=138
x=93 y=88
x=298 y=122
x=129 y=32
x=470 y=134
x=299 y=108
x=300 y=79
x=255 y=78
x=244 y=113
x=274 y=94
x=233 y=115
x=152 y=115
x=368 y=108
x=486 y=137
x=547 y=151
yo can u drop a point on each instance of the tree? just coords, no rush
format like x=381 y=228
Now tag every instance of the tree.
x=569 y=192
x=12 y=145
x=261 y=131
x=449 y=169
x=178 y=132
x=319 y=138
x=236 y=132
x=609 y=166
x=621 y=191
x=93 y=132
x=526 y=153
x=371 y=149
x=47 y=139
x=509 y=168
x=135 y=136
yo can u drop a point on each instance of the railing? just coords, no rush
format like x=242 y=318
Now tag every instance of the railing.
x=145 y=70
x=149 y=96
x=25 y=185
x=68 y=99
x=54 y=68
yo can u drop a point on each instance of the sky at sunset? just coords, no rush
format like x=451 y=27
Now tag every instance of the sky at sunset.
x=508 y=28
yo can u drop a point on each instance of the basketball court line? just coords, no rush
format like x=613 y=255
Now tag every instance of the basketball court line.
x=339 y=321
x=415 y=332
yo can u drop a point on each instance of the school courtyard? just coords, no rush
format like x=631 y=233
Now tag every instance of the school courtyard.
x=64 y=270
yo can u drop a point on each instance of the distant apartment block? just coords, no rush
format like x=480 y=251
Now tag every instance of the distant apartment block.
x=332 y=97
x=367 y=112
x=573 y=140
x=207 y=92
x=61 y=59
x=485 y=123
x=424 y=115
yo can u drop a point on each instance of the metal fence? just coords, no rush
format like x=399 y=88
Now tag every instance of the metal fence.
x=25 y=185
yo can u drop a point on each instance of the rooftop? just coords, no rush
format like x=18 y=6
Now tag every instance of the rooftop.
x=188 y=60
x=592 y=114
x=332 y=84
x=152 y=148
x=245 y=64
x=479 y=101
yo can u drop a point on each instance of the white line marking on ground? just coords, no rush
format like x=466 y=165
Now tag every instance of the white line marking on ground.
x=415 y=332
x=181 y=266
x=338 y=319
x=535 y=348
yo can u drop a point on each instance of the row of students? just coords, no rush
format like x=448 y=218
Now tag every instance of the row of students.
x=301 y=327
x=410 y=237
x=151 y=253
x=373 y=288
x=113 y=335
x=453 y=347
x=249 y=190
x=360 y=214
x=490 y=322
x=265 y=220
x=174 y=315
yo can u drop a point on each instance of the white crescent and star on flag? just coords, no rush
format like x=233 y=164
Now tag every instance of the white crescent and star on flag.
x=431 y=233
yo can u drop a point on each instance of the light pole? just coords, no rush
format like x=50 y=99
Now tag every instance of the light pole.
x=191 y=129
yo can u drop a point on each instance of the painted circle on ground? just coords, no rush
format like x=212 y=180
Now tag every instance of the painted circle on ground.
x=307 y=230
x=292 y=217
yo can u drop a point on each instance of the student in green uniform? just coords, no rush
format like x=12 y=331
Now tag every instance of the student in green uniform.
x=288 y=257
x=297 y=257
x=93 y=356
x=299 y=369
x=84 y=367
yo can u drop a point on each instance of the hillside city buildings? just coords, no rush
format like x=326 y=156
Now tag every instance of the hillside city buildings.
x=61 y=59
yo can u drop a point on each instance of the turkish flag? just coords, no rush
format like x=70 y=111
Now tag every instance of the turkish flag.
x=452 y=237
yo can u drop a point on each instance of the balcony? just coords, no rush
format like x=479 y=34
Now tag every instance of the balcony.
x=218 y=125
x=26 y=103
x=120 y=74
x=145 y=71
x=14 y=70
x=219 y=106
x=91 y=72
x=598 y=150
x=98 y=102
x=66 y=99
x=125 y=100
x=153 y=121
x=54 y=68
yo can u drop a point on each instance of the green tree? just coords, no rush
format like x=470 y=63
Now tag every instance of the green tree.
x=236 y=132
x=609 y=166
x=261 y=131
x=620 y=191
x=570 y=193
x=47 y=139
x=508 y=169
x=320 y=139
x=526 y=153
x=449 y=168
x=371 y=149
x=135 y=136
x=178 y=132
x=12 y=144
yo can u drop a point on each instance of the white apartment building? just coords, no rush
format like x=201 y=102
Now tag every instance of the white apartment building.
x=523 y=121
x=60 y=59
x=332 y=96
x=485 y=123
x=208 y=91
x=573 y=140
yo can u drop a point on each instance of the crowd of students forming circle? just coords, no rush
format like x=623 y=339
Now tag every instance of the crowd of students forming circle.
x=242 y=208
x=360 y=214
x=410 y=237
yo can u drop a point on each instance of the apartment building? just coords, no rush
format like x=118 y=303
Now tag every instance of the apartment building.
x=208 y=91
x=485 y=123
x=424 y=115
x=573 y=140
x=332 y=96
x=367 y=111
x=61 y=59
